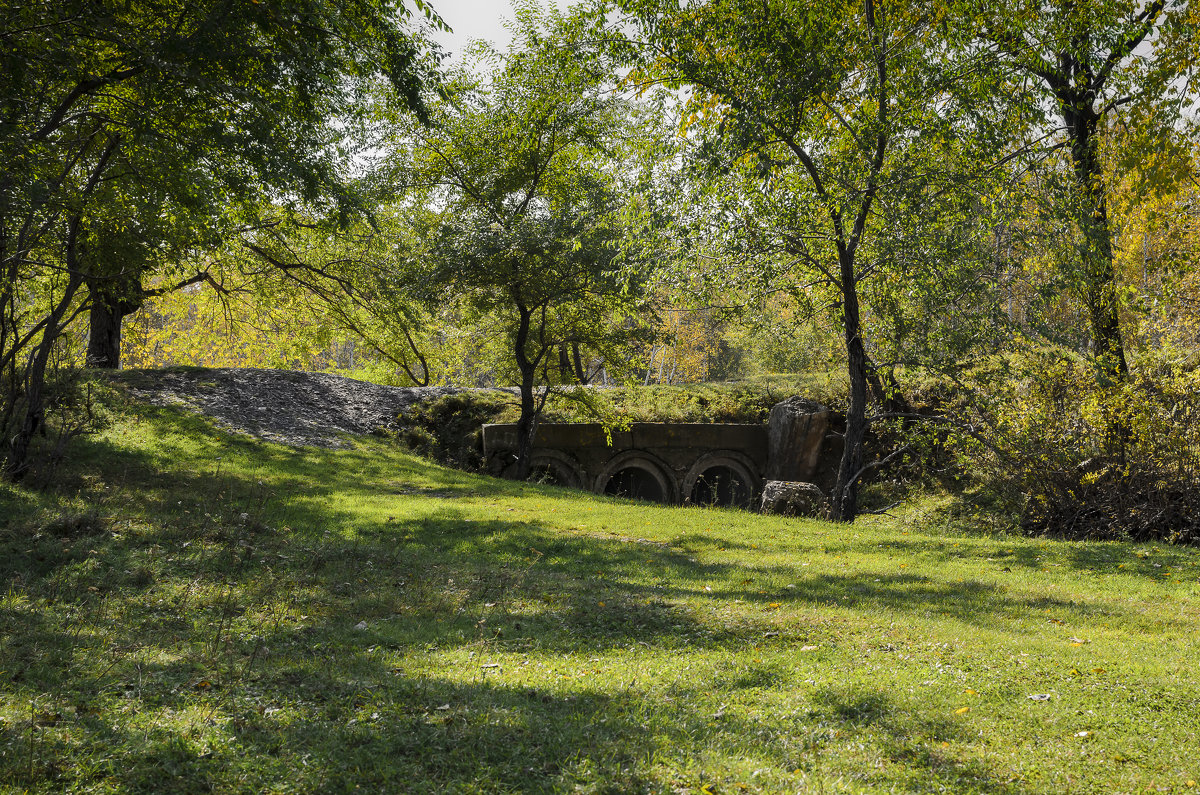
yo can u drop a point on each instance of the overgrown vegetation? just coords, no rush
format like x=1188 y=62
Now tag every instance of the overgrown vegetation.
x=447 y=429
x=1077 y=460
x=633 y=191
x=188 y=611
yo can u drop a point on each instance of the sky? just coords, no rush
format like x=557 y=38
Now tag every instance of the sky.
x=477 y=19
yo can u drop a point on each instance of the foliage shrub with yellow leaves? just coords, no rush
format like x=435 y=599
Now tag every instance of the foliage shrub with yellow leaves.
x=1088 y=461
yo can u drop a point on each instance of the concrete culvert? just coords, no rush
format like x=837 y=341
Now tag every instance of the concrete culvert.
x=635 y=483
x=549 y=475
x=722 y=486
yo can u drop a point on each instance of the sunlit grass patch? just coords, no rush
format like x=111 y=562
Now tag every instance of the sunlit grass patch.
x=195 y=611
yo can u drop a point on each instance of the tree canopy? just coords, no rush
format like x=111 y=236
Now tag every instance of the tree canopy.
x=520 y=192
x=135 y=132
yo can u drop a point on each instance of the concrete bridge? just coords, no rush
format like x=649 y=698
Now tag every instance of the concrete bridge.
x=675 y=463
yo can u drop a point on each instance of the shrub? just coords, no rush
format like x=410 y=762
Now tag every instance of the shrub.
x=449 y=429
x=1083 y=460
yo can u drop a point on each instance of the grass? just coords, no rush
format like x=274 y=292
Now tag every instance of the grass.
x=193 y=612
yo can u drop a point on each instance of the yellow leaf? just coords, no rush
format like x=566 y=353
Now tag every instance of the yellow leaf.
x=962 y=710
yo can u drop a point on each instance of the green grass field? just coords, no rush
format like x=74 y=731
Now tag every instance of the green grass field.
x=191 y=612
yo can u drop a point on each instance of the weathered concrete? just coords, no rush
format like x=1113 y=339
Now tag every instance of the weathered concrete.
x=661 y=462
x=797 y=430
x=700 y=463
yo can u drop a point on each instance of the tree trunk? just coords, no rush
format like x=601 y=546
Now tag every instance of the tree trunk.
x=30 y=415
x=581 y=375
x=104 y=326
x=564 y=365
x=844 y=500
x=1096 y=250
x=527 y=422
x=104 y=337
x=888 y=395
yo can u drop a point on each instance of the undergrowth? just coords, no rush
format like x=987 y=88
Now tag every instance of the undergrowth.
x=1078 y=459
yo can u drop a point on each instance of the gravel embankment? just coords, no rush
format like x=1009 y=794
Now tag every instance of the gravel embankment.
x=284 y=406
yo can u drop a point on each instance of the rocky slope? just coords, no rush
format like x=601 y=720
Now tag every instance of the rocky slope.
x=284 y=406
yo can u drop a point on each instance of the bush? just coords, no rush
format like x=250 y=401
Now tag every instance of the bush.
x=1081 y=460
x=449 y=429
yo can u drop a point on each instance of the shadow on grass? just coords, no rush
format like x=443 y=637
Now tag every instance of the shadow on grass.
x=369 y=727
x=1141 y=561
x=180 y=646
x=908 y=740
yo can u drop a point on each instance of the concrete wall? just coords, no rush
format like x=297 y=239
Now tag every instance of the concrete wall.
x=720 y=463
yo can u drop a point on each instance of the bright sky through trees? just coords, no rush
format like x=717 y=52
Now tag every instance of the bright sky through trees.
x=477 y=19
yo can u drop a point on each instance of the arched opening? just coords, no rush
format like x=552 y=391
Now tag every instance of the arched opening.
x=548 y=475
x=638 y=475
x=552 y=468
x=725 y=478
x=722 y=486
x=635 y=483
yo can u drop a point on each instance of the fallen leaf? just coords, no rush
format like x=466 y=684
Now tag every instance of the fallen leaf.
x=1040 y=697
x=443 y=707
x=808 y=648
x=962 y=710
x=361 y=625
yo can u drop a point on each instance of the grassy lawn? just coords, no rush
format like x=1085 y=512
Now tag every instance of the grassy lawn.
x=192 y=612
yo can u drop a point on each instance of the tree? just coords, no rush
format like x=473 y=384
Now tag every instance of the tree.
x=1087 y=61
x=826 y=115
x=129 y=132
x=519 y=189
